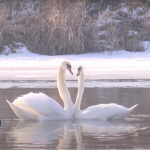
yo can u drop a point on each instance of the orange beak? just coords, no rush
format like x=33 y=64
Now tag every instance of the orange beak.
x=69 y=69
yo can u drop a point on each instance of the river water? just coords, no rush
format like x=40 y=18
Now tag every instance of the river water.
x=131 y=133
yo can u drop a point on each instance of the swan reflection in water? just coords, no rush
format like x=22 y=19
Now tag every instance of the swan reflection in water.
x=68 y=134
x=100 y=134
x=42 y=134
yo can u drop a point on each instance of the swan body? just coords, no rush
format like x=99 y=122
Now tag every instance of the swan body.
x=101 y=111
x=39 y=106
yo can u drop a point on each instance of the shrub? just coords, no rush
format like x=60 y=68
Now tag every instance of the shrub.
x=72 y=27
x=57 y=29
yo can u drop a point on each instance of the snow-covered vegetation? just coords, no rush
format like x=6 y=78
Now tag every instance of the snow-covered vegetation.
x=74 y=27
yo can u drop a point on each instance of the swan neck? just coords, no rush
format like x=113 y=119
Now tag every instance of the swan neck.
x=63 y=90
x=80 y=92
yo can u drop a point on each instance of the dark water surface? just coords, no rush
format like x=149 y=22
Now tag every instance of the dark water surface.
x=131 y=133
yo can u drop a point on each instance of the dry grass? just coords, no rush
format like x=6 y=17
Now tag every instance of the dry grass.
x=123 y=28
x=66 y=27
x=57 y=29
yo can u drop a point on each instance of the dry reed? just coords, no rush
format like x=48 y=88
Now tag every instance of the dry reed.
x=70 y=27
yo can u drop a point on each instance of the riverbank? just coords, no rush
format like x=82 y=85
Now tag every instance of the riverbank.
x=25 y=65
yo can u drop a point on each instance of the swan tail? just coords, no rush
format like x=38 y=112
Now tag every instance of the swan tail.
x=10 y=104
x=124 y=114
x=16 y=109
x=132 y=108
x=22 y=114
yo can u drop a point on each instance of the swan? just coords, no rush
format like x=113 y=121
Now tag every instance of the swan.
x=101 y=111
x=38 y=106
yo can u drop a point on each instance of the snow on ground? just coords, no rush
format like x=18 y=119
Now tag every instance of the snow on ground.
x=24 y=65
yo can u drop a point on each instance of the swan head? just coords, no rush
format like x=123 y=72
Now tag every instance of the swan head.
x=65 y=65
x=80 y=70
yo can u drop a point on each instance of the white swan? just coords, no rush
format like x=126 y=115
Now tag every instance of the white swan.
x=101 y=111
x=38 y=106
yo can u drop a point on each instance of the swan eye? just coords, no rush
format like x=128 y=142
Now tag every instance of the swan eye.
x=68 y=66
x=79 y=69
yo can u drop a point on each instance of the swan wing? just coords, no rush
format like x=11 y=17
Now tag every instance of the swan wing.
x=22 y=113
x=106 y=111
x=40 y=103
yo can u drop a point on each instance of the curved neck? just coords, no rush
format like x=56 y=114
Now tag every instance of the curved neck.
x=80 y=92
x=63 y=90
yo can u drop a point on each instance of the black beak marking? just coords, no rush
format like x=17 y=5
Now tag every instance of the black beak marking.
x=79 y=70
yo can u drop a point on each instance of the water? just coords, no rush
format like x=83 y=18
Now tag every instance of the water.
x=131 y=133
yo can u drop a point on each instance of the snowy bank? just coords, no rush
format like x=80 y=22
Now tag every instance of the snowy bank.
x=24 y=65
